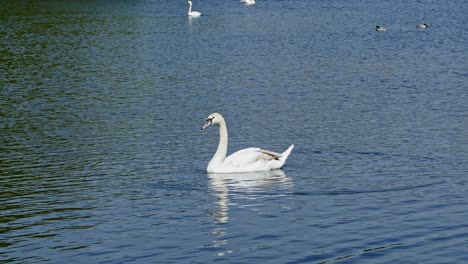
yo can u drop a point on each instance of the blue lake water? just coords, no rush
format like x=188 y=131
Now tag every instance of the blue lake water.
x=102 y=159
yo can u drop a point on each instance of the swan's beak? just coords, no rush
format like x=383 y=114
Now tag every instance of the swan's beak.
x=207 y=124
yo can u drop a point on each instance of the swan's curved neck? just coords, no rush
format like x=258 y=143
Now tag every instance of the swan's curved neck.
x=190 y=7
x=221 y=152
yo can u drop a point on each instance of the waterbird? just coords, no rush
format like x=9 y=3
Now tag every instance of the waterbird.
x=244 y=160
x=248 y=2
x=192 y=13
x=422 y=26
x=380 y=28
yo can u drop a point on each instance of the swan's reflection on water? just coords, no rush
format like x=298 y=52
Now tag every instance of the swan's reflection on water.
x=242 y=186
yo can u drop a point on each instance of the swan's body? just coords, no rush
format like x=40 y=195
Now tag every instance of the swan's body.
x=192 y=13
x=244 y=160
x=422 y=26
x=248 y=2
x=380 y=28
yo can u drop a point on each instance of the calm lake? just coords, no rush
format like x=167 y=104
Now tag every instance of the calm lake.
x=102 y=159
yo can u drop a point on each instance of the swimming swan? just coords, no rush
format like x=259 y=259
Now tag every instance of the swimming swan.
x=192 y=13
x=248 y=2
x=244 y=160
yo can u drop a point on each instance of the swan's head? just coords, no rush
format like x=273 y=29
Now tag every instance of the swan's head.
x=214 y=118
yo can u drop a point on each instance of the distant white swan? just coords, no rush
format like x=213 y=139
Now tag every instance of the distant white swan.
x=248 y=2
x=192 y=13
x=422 y=26
x=380 y=28
x=244 y=160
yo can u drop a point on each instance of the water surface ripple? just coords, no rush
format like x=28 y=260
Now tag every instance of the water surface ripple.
x=102 y=159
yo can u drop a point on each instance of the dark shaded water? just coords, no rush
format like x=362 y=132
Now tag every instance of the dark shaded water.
x=102 y=159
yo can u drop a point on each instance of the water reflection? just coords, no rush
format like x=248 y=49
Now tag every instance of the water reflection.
x=192 y=21
x=242 y=187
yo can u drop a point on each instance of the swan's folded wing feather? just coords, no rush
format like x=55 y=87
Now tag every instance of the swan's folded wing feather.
x=250 y=156
x=243 y=157
x=271 y=154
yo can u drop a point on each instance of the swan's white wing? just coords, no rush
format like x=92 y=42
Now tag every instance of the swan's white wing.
x=242 y=157
x=250 y=157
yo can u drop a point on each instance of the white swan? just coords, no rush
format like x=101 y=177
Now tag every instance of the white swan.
x=244 y=160
x=192 y=13
x=248 y=2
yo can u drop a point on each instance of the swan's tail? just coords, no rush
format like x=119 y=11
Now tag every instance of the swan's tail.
x=284 y=157
x=286 y=153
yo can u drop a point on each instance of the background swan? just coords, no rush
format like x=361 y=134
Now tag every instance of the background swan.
x=192 y=13
x=244 y=160
x=248 y=2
